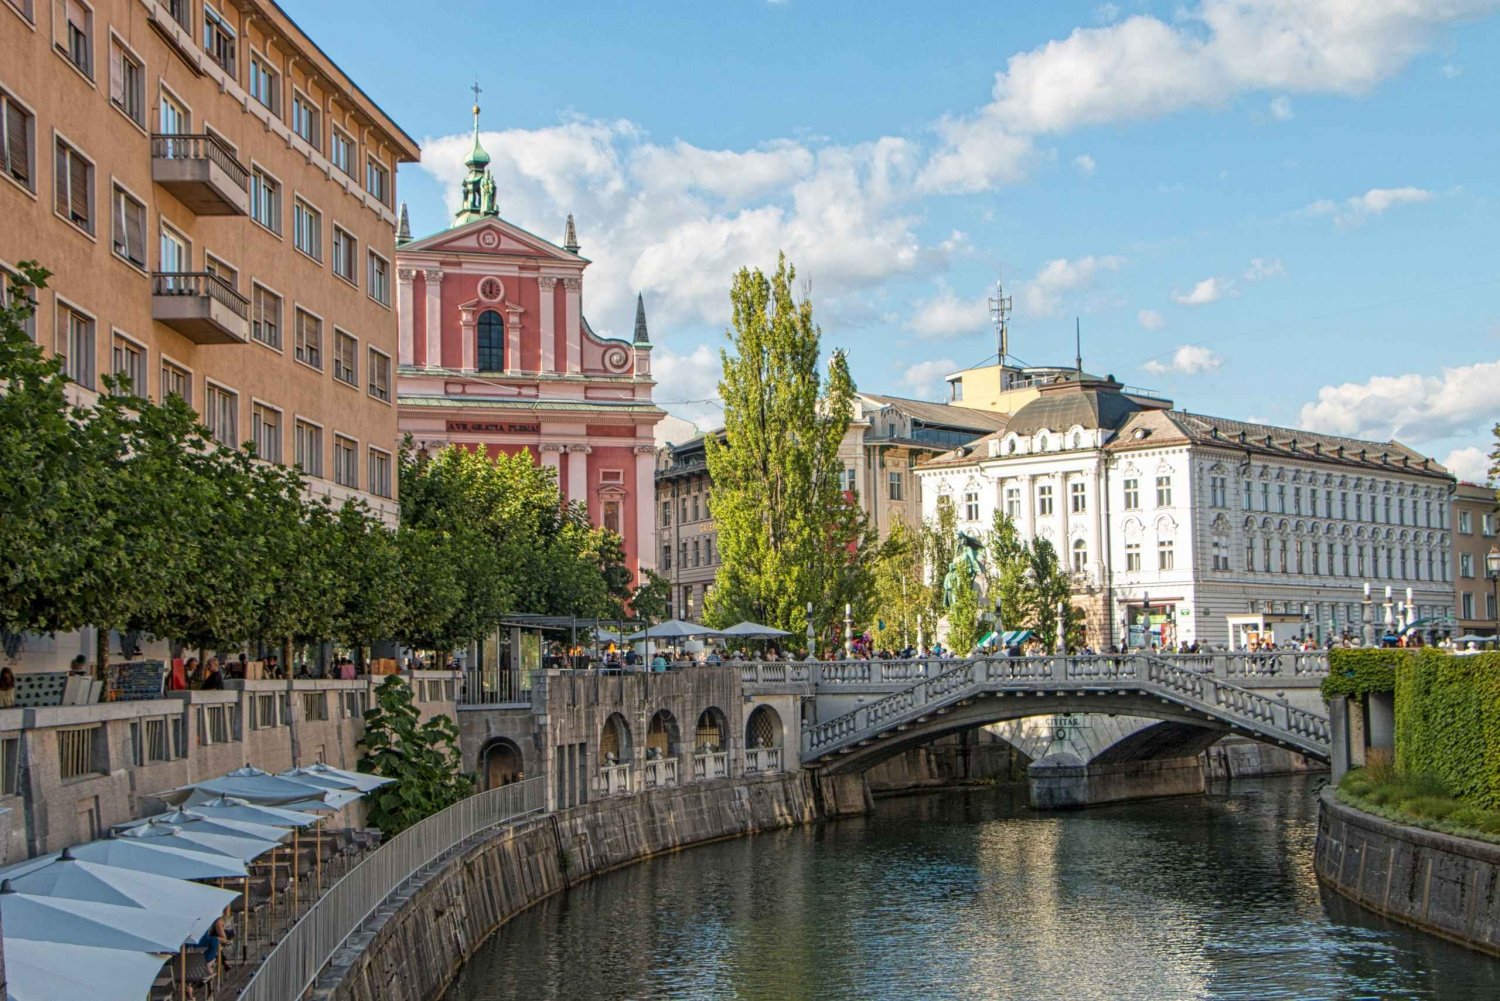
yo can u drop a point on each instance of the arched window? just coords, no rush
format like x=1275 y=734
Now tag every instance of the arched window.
x=491 y=342
x=1080 y=556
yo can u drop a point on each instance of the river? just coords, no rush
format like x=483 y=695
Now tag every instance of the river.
x=969 y=894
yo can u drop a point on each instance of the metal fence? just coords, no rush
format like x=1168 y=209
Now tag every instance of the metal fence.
x=292 y=966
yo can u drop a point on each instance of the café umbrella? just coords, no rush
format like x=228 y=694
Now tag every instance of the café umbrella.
x=246 y=783
x=754 y=631
x=171 y=835
x=673 y=629
x=162 y=860
x=233 y=808
x=47 y=971
x=89 y=922
x=194 y=822
x=363 y=781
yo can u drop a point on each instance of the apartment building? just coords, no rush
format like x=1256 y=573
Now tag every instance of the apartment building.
x=215 y=200
x=1476 y=532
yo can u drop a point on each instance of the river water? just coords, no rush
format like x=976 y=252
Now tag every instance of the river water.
x=971 y=895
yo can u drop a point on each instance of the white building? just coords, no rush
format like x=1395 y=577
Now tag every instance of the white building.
x=1185 y=528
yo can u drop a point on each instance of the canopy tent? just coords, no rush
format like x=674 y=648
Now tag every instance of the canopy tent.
x=73 y=879
x=331 y=801
x=988 y=639
x=89 y=922
x=162 y=860
x=173 y=836
x=48 y=971
x=230 y=808
x=1471 y=638
x=753 y=631
x=1013 y=636
x=674 y=629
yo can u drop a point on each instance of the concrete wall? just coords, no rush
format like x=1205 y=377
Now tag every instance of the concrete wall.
x=414 y=951
x=972 y=757
x=1444 y=885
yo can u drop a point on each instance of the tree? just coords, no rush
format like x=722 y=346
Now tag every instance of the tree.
x=1029 y=581
x=1495 y=459
x=423 y=758
x=788 y=536
x=900 y=591
x=963 y=617
x=651 y=598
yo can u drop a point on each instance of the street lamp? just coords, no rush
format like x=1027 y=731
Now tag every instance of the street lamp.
x=1368 y=617
x=1492 y=570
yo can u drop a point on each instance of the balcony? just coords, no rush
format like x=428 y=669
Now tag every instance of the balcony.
x=202 y=173
x=202 y=307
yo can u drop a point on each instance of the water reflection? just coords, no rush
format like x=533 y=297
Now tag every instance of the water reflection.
x=970 y=895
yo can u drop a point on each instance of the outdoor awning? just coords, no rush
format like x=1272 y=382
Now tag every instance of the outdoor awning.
x=48 y=971
x=1014 y=636
x=988 y=639
x=674 y=629
x=145 y=856
x=230 y=808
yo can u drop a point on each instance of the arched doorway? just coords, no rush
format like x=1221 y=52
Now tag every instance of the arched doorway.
x=663 y=745
x=763 y=738
x=615 y=756
x=501 y=763
x=711 y=745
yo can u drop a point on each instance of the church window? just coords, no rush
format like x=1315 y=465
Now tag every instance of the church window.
x=491 y=342
x=612 y=516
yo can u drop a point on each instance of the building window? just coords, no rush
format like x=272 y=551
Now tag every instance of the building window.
x=307 y=229
x=344 y=249
x=75 y=342
x=1012 y=503
x=1220 y=554
x=345 y=461
x=176 y=381
x=971 y=505
x=666 y=512
x=74 y=187
x=666 y=556
x=1466 y=564
x=10 y=759
x=218 y=39
x=1080 y=556
x=697 y=552
x=696 y=509
x=1250 y=555
x=379 y=375
x=265 y=322
x=380 y=472
x=491 y=342
x=308 y=346
x=1133 y=556
x=221 y=414
x=1164 y=491
x=1468 y=605
x=377 y=180
x=17 y=141
x=265 y=200
x=1284 y=564
x=379 y=280
x=893 y=480
x=265 y=84
x=307 y=120
x=307 y=447
x=1489 y=607
x=345 y=357
x=341 y=151
x=130 y=227
x=682 y=555
x=127 y=83
x=1486 y=524
x=1043 y=501
x=1465 y=523
x=1132 y=495
x=75 y=35
x=1078 y=497
x=1249 y=494
x=128 y=362
x=228 y=275
x=265 y=431
x=1165 y=559
x=26 y=9
x=1218 y=491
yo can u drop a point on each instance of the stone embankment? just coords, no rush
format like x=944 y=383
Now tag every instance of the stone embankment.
x=1441 y=884
x=414 y=947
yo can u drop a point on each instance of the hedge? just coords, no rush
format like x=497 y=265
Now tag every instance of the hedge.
x=1357 y=672
x=1448 y=721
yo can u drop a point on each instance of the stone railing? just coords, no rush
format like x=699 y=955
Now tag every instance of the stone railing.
x=615 y=780
x=659 y=773
x=710 y=765
x=762 y=760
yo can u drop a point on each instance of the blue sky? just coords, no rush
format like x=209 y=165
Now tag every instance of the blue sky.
x=1281 y=210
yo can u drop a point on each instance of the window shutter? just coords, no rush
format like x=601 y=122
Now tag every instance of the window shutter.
x=135 y=232
x=116 y=75
x=78 y=176
x=60 y=180
x=60 y=330
x=16 y=144
x=60 y=24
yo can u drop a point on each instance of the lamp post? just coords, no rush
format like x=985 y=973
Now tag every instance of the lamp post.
x=848 y=631
x=1146 y=616
x=1368 y=618
x=1306 y=621
x=1390 y=613
x=1492 y=571
x=812 y=647
x=999 y=624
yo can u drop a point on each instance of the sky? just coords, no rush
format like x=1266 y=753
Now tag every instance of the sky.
x=1280 y=211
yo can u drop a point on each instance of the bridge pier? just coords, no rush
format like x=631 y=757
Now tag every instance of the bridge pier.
x=1063 y=781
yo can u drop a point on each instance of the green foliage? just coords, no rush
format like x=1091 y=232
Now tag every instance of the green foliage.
x=1356 y=672
x=1419 y=801
x=963 y=617
x=423 y=758
x=900 y=591
x=1029 y=580
x=650 y=600
x=1448 y=722
x=787 y=534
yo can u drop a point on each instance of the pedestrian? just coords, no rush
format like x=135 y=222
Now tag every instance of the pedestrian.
x=7 y=688
x=213 y=678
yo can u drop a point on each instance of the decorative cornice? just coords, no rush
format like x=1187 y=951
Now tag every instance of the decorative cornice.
x=406 y=275
x=551 y=447
x=585 y=449
x=573 y=284
x=547 y=281
x=433 y=274
x=645 y=450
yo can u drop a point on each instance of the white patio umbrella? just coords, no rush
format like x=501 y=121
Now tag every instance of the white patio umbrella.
x=754 y=631
x=171 y=835
x=363 y=781
x=163 y=860
x=674 y=629
x=202 y=823
x=49 y=971
x=73 y=879
x=233 y=808
x=246 y=783
x=88 y=922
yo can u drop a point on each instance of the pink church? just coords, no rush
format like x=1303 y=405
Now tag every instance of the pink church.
x=495 y=354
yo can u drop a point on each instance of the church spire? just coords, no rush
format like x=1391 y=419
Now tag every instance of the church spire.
x=478 y=189
x=570 y=236
x=403 y=227
x=641 y=336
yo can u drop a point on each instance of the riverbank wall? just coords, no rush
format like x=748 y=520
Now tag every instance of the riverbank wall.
x=413 y=948
x=1444 y=885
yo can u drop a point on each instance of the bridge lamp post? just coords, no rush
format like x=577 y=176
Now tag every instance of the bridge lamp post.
x=812 y=646
x=1369 y=618
x=1492 y=571
x=1390 y=614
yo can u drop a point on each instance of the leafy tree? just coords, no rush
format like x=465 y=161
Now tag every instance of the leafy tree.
x=900 y=589
x=963 y=617
x=1029 y=580
x=1495 y=459
x=787 y=534
x=651 y=598
x=423 y=758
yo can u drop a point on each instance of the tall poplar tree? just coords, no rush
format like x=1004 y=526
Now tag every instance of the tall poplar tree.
x=788 y=535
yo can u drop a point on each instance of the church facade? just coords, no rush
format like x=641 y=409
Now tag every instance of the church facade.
x=496 y=355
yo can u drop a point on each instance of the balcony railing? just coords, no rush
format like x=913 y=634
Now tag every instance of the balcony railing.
x=201 y=306
x=659 y=773
x=710 y=765
x=614 y=780
x=201 y=172
x=760 y=760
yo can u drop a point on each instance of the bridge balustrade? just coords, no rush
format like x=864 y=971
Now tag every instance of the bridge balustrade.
x=615 y=780
x=659 y=773
x=762 y=760
x=710 y=765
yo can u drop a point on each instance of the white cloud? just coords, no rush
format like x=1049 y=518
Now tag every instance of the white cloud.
x=687 y=385
x=1281 y=109
x=1190 y=359
x=1355 y=210
x=1107 y=13
x=1206 y=291
x=1451 y=70
x=1150 y=319
x=946 y=315
x=1471 y=465
x=1044 y=293
x=1262 y=268
x=1413 y=406
x=1085 y=164
x=925 y=378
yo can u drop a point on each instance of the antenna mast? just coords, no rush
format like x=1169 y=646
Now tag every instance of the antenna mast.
x=1000 y=316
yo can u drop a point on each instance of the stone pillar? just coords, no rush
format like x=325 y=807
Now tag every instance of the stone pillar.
x=551 y=456
x=405 y=312
x=578 y=473
x=548 y=289
x=434 y=280
x=573 y=324
x=645 y=506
